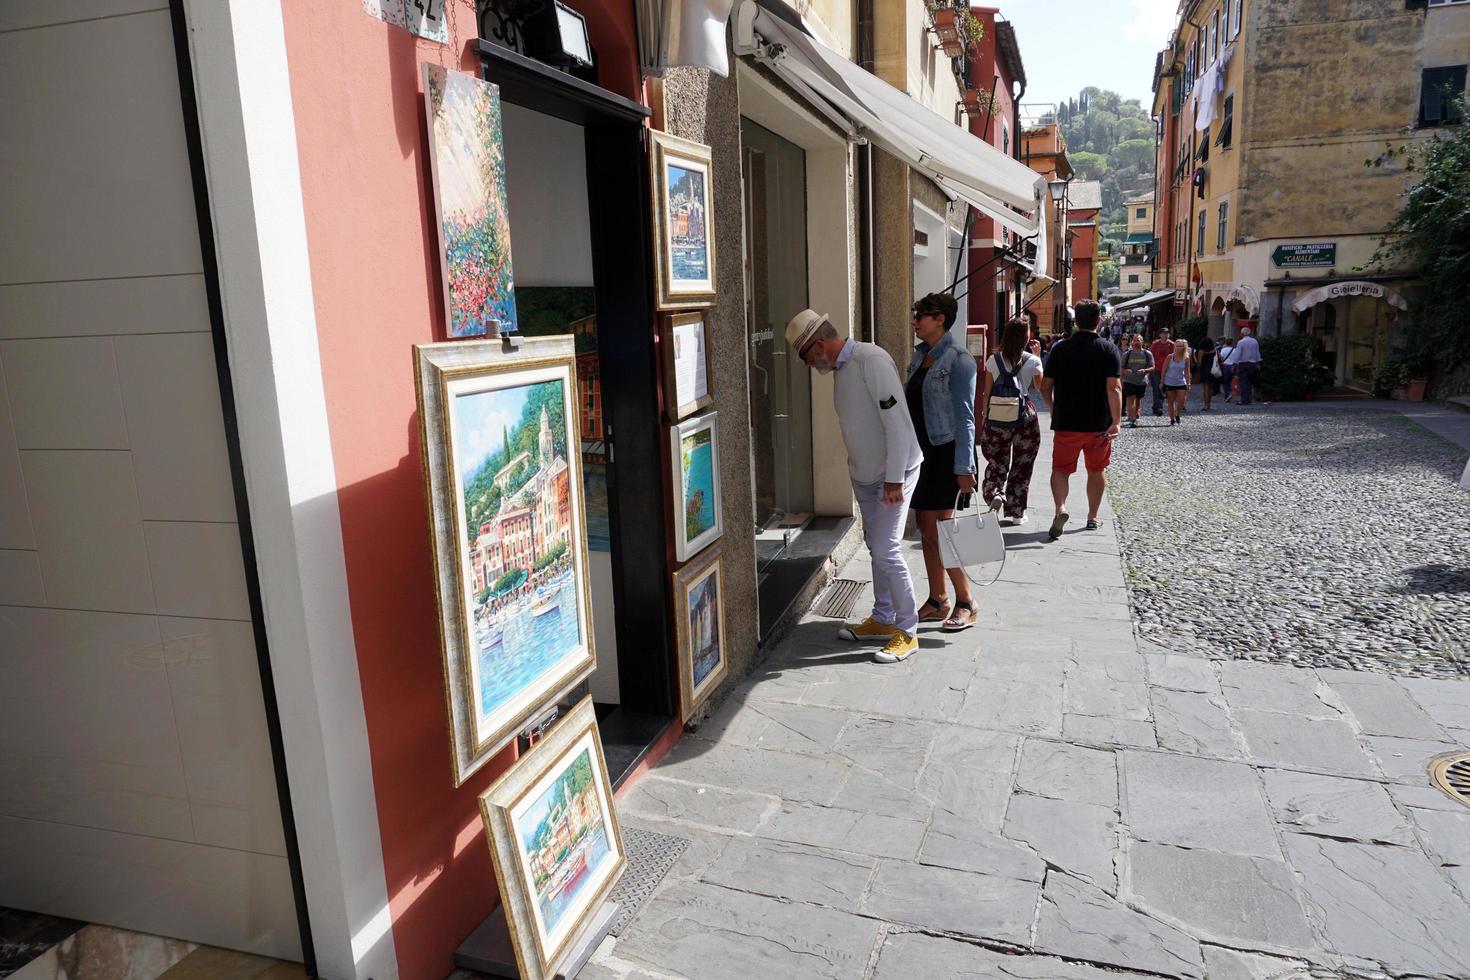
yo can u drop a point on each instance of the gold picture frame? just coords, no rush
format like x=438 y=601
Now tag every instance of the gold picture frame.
x=694 y=467
x=554 y=837
x=683 y=206
x=687 y=362
x=699 y=629
x=508 y=532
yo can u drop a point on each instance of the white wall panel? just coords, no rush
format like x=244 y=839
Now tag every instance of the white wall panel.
x=104 y=307
x=20 y=579
x=64 y=393
x=15 y=511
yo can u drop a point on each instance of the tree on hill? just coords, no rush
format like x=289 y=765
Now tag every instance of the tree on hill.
x=1110 y=139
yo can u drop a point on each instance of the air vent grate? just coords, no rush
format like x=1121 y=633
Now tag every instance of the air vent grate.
x=841 y=596
x=1451 y=773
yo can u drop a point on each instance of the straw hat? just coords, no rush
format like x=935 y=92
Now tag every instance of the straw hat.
x=803 y=327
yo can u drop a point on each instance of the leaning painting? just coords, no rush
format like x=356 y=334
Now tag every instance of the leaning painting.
x=699 y=605
x=468 y=164
x=506 y=507
x=555 y=841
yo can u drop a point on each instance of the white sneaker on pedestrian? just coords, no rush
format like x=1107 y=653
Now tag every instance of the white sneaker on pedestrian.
x=997 y=502
x=1016 y=521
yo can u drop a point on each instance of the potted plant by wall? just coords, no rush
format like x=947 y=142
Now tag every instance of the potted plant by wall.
x=947 y=25
x=978 y=101
x=972 y=30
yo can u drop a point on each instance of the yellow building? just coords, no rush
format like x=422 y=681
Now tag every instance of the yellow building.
x=1136 y=264
x=1267 y=111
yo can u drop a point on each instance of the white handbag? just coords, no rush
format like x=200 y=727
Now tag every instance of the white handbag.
x=971 y=539
x=1465 y=480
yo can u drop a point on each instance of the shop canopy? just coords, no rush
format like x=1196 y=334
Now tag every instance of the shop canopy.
x=1355 y=288
x=1147 y=299
x=868 y=109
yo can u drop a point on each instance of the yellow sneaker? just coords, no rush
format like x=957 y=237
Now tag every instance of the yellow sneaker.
x=868 y=629
x=900 y=645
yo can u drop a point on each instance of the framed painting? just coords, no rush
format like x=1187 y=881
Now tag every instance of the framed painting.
x=509 y=534
x=687 y=364
x=694 y=449
x=555 y=841
x=699 y=627
x=684 y=245
x=467 y=161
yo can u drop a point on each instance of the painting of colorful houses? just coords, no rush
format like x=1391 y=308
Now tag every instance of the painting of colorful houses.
x=563 y=837
x=688 y=239
x=524 y=582
x=468 y=166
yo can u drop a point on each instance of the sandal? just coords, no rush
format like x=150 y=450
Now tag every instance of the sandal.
x=941 y=610
x=960 y=622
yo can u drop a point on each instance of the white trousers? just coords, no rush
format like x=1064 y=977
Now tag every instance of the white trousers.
x=893 y=589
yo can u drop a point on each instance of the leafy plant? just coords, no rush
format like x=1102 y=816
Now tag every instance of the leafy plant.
x=1402 y=366
x=1431 y=234
x=1293 y=367
x=972 y=29
x=1192 y=329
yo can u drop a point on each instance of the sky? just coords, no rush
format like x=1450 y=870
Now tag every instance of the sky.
x=482 y=420
x=1067 y=45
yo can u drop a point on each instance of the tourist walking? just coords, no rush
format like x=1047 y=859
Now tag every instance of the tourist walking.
x=1161 y=349
x=941 y=401
x=1177 y=380
x=1246 y=362
x=1227 y=373
x=1138 y=364
x=1204 y=361
x=1010 y=433
x=1082 y=381
x=883 y=458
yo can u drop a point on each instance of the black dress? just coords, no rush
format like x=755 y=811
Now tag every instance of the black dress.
x=937 y=487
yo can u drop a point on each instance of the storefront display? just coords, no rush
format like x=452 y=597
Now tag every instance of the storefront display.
x=684 y=249
x=554 y=837
x=687 y=369
x=694 y=448
x=509 y=536
x=467 y=160
x=699 y=597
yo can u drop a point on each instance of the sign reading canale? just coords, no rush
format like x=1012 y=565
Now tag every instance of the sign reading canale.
x=1300 y=255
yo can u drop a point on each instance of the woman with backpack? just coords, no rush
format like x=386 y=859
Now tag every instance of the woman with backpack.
x=1010 y=434
x=941 y=399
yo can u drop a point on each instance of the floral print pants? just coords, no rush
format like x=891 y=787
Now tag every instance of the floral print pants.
x=1010 y=454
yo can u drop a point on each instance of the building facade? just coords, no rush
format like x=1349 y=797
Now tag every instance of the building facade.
x=1135 y=265
x=1267 y=212
x=1049 y=295
x=1085 y=204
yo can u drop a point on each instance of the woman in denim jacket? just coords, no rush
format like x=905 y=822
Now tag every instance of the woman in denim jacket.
x=941 y=399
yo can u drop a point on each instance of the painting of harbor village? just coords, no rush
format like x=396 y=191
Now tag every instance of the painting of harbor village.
x=682 y=217
x=468 y=166
x=694 y=444
x=523 y=589
x=554 y=837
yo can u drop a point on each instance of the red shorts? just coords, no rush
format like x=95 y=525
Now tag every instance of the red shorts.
x=1095 y=447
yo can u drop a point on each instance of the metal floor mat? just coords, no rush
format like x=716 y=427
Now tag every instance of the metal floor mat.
x=841 y=596
x=650 y=856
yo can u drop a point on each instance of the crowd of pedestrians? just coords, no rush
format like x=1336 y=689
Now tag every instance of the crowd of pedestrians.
x=912 y=440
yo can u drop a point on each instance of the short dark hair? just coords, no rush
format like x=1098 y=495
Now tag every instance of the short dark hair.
x=942 y=303
x=1086 y=314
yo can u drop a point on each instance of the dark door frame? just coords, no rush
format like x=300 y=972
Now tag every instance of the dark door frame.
x=618 y=201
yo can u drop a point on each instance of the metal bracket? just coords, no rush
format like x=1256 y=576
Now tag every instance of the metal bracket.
x=510 y=342
x=532 y=733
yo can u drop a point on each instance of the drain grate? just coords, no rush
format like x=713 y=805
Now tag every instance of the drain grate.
x=1451 y=773
x=650 y=856
x=841 y=596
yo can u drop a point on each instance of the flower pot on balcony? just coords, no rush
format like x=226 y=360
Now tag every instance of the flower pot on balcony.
x=947 y=27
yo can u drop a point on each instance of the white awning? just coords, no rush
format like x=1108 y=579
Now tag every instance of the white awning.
x=1247 y=297
x=1147 y=299
x=683 y=32
x=1356 y=288
x=869 y=109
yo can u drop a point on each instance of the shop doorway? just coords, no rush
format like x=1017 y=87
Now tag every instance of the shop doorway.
x=780 y=384
x=576 y=184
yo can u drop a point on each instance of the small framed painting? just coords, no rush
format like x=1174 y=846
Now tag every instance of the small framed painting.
x=687 y=367
x=684 y=245
x=506 y=511
x=699 y=599
x=694 y=449
x=555 y=841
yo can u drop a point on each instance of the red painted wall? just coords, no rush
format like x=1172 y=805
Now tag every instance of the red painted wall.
x=355 y=85
x=985 y=66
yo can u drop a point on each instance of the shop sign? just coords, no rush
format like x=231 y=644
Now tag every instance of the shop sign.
x=1304 y=256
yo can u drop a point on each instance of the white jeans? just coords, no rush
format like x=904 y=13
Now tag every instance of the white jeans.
x=893 y=589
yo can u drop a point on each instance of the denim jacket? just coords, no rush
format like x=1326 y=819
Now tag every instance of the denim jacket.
x=949 y=398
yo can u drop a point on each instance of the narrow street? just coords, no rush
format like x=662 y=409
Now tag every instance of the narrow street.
x=1069 y=790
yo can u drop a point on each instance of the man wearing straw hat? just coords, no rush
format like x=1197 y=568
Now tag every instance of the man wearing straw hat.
x=883 y=458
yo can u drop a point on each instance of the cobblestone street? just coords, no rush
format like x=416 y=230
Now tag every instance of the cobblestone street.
x=1051 y=796
x=1327 y=537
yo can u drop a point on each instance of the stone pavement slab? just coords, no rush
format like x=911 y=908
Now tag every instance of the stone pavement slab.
x=1170 y=799
x=1014 y=706
x=1406 y=760
x=836 y=829
x=795 y=872
x=1079 y=838
x=964 y=844
x=1081 y=921
x=1068 y=772
x=1383 y=904
x=1194 y=723
x=1303 y=743
x=911 y=955
x=1380 y=706
x=1108 y=732
x=1178 y=673
x=1332 y=806
x=981 y=905
x=1229 y=898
